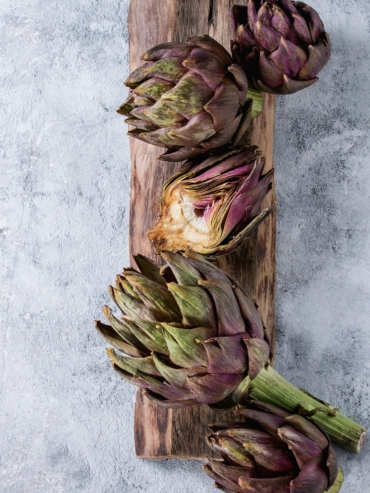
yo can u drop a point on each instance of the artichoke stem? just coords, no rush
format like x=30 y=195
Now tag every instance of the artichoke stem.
x=272 y=388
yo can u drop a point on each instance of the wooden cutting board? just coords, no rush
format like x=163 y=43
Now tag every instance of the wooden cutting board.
x=162 y=433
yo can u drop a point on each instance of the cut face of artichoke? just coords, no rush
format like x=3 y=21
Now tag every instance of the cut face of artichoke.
x=213 y=204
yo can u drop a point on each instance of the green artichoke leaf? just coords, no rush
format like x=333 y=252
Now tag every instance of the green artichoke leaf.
x=134 y=365
x=112 y=338
x=150 y=334
x=195 y=304
x=149 y=268
x=184 y=272
x=255 y=98
x=188 y=340
x=176 y=376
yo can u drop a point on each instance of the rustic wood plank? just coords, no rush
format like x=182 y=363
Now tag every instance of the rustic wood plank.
x=162 y=433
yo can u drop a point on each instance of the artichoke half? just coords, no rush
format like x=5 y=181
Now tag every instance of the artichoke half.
x=281 y=44
x=273 y=452
x=190 y=336
x=186 y=97
x=213 y=204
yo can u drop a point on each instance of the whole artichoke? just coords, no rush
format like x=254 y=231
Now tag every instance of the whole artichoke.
x=273 y=452
x=281 y=44
x=190 y=334
x=187 y=97
x=212 y=204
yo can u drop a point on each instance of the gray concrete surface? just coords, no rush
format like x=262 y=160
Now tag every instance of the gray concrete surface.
x=65 y=419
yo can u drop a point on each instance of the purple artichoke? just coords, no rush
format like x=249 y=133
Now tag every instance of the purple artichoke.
x=187 y=97
x=273 y=452
x=212 y=204
x=190 y=334
x=281 y=44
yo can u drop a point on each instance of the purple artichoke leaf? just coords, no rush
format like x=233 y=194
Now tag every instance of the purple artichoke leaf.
x=289 y=6
x=225 y=475
x=245 y=121
x=332 y=465
x=195 y=304
x=258 y=355
x=315 y=23
x=229 y=318
x=240 y=78
x=280 y=22
x=209 y=271
x=207 y=43
x=268 y=38
x=224 y=105
x=181 y=154
x=318 y=56
x=309 y=429
x=209 y=389
x=112 y=338
x=289 y=58
x=290 y=85
x=185 y=274
x=303 y=448
x=223 y=137
x=301 y=29
x=249 y=312
x=265 y=14
x=226 y=354
x=311 y=479
x=208 y=66
x=268 y=421
x=267 y=451
x=272 y=76
x=251 y=19
x=166 y=50
x=266 y=485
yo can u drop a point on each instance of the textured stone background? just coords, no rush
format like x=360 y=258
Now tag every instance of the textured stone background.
x=65 y=419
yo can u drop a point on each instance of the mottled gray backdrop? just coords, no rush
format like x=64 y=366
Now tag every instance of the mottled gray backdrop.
x=66 y=421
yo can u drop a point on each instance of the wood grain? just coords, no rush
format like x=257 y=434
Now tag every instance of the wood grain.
x=162 y=433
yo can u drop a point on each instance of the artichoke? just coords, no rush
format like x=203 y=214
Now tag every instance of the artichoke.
x=186 y=97
x=281 y=44
x=192 y=336
x=212 y=204
x=273 y=452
